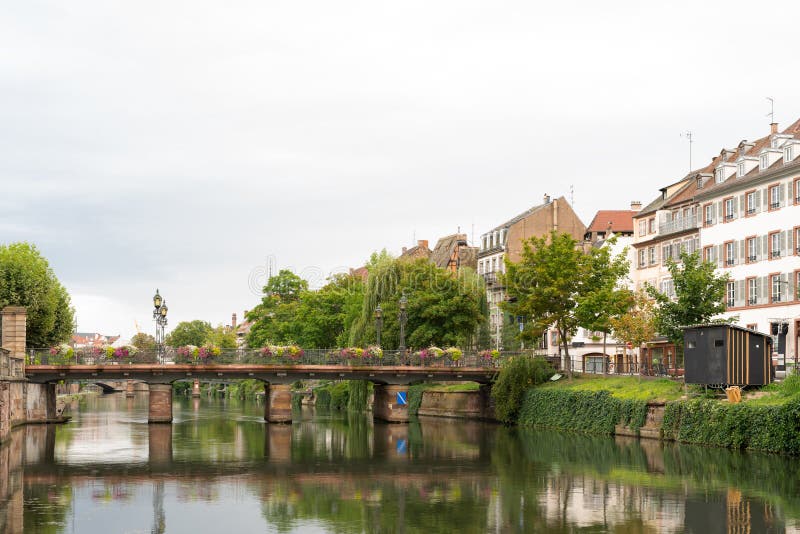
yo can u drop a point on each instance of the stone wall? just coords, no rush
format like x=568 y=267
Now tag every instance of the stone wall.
x=459 y=404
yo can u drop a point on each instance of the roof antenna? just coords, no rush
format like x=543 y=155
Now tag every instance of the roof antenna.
x=688 y=135
x=771 y=113
x=572 y=196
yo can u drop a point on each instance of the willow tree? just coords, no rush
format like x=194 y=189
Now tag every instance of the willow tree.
x=443 y=309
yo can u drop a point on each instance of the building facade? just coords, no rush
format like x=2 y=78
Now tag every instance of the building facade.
x=505 y=241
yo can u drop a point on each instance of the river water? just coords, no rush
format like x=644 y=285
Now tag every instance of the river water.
x=220 y=468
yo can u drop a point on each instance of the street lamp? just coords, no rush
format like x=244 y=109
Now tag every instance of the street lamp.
x=402 y=318
x=160 y=317
x=378 y=323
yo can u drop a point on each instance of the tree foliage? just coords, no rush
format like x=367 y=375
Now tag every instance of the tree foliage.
x=194 y=332
x=26 y=279
x=699 y=296
x=518 y=374
x=637 y=325
x=143 y=341
x=443 y=308
x=222 y=337
x=555 y=284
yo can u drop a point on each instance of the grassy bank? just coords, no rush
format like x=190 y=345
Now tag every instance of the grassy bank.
x=623 y=387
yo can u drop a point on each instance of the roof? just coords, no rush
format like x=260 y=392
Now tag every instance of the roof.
x=521 y=216
x=616 y=220
x=443 y=251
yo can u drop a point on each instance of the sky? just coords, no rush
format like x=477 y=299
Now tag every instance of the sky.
x=189 y=146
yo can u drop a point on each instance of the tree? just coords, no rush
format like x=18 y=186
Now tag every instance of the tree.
x=194 y=332
x=26 y=279
x=222 y=337
x=602 y=300
x=324 y=317
x=274 y=318
x=443 y=309
x=637 y=325
x=143 y=341
x=699 y=297
x=556 y=284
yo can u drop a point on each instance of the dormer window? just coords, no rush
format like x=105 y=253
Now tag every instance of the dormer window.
x=740 y=169
x=787 y=154
x=763 y=162
x=719 y=175
x=699 y=182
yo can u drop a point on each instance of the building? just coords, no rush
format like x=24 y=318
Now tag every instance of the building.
x=452 y=252
x=505 y=241
x=421 y=250
x=742 y=212
x=81 y=340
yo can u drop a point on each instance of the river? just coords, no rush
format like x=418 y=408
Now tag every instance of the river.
x=220 y=468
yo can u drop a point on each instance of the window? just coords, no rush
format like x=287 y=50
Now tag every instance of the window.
x=651 y=255
x=730 y=253
x=642 y=227
x=718 y=175
x=752 y=291
x=740 y=170
x=731 y=294
x=752 y=326
x=666 y=253
x=750 y=202
x=719 y=343
x=797 y=240
x=752 y=249
x=787 y=153
x=651 y=225
x=707 y=253
x=708 y=215
x=775 y=245
x=668 y=287
x=642 y=262
x=764 y=161
x=797 y=191
x=729 y=209
x=776 y=287
x=774 y=197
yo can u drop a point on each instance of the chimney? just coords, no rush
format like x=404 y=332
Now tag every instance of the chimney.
x=422 y=243
x=546 y=199
x=774 y=127
x=636 y=205
x=233 y=321
x=404 y=250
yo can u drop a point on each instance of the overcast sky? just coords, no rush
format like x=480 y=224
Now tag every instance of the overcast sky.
x=185 y=145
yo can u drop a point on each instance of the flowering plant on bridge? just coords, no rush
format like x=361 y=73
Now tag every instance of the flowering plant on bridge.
x=125 y=354
x=352 y=353
x=454 y=353
x=61 y=353
x=373 y=352
x=490 y=354
x=292 y=352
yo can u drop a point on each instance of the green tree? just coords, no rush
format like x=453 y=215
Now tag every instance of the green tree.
x=26 y=279
x=324 y=317
x=443 y=309
x=143 y=341
x=194 y=332
x=274 y=319
x=556 y=284
x=222 y=337
x=699 y=297
x=601 y=299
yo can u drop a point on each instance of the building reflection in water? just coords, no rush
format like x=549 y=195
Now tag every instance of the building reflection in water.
x=348 y=474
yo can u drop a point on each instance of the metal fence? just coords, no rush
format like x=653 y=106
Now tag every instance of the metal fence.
x=485 y=359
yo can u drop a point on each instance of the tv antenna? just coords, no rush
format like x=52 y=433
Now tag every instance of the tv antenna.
x=688 y=135
x=572 y=196
x=771 y=113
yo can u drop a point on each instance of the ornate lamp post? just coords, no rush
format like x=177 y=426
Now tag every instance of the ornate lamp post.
x=160 y=317
x=378 y=323
x=402 y=318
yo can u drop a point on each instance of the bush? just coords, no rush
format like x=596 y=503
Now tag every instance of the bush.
x=358 y=395
x=772 y=428
x=415 y=397
x=517 y=375
x=591 y=412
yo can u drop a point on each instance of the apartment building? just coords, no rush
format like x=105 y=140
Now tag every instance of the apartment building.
x=505 y=241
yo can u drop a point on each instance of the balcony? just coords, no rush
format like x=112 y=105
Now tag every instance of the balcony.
x=680 y=224
x=490 y=278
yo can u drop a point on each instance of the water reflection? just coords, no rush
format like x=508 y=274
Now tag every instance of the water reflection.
x=220 y=467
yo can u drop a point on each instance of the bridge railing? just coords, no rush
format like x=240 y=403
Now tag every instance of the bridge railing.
x=487 y=359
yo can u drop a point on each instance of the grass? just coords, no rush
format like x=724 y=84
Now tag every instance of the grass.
x=625 y=387
x=464 y=386
x=777 y=393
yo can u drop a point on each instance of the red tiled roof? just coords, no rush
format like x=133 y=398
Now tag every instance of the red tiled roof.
x=618 y=220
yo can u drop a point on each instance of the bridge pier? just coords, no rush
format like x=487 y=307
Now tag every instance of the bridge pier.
x=160 y=444
x=160 y=403
x=196 y=387
x=278 y=403
x=386 y=406
x=129 y=391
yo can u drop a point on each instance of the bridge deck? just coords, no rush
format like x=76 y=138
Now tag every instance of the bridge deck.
x=275 y=374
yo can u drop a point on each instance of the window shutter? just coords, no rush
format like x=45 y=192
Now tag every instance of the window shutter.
x=713 y=213
x=757 y=201
x=742 y=252
x=784 y=288
x=781 y=194
x=763 y=295
x=789 y=242
x=764 y=246
x=766 y=199
x=783 y=243
x=742 y=207
x=739 y=297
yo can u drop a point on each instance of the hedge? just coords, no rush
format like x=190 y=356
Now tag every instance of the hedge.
x=591 y=412
x=772 y=428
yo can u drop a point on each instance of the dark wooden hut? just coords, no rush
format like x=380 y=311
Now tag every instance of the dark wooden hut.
x=726 y=355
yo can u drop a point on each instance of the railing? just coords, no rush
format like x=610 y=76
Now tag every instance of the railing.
x=338 y=357
x=677 y=225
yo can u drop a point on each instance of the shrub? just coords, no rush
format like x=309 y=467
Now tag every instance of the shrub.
x=517 y=376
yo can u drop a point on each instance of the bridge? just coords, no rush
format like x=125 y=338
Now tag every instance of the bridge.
x=391 y=373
